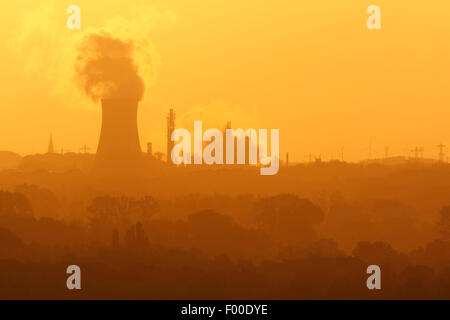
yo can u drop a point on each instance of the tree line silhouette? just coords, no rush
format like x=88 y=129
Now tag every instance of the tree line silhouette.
x=196 y=245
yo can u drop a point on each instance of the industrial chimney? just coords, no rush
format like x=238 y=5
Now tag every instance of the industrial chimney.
x=119 y=155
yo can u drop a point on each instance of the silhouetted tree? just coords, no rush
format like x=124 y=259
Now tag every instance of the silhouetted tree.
x=215 y=234
x=130 y=236
x=9 y=241
x=380 y=253
x=289 y=218
x=109 y=212
x=15 y=205
x=135 y=236
x=44 y=202
x=444 y=222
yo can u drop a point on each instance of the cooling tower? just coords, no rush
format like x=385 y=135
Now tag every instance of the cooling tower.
x=119 y=155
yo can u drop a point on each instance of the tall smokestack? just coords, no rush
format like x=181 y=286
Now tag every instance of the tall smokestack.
x=119 y=152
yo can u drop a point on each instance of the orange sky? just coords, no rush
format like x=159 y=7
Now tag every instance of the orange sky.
x=310 y=68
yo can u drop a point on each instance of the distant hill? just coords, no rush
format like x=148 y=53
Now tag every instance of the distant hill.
x=9 y=160
x=56 y=162
x=393 y=161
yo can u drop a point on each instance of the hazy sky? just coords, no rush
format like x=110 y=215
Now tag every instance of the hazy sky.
x=310 y=68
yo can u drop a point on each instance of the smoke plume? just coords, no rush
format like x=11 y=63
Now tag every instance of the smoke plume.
x=105 y=68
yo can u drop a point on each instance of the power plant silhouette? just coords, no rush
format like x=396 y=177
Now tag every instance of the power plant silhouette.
x=119 y=155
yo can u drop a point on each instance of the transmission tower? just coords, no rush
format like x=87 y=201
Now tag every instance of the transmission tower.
x=441 y=152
